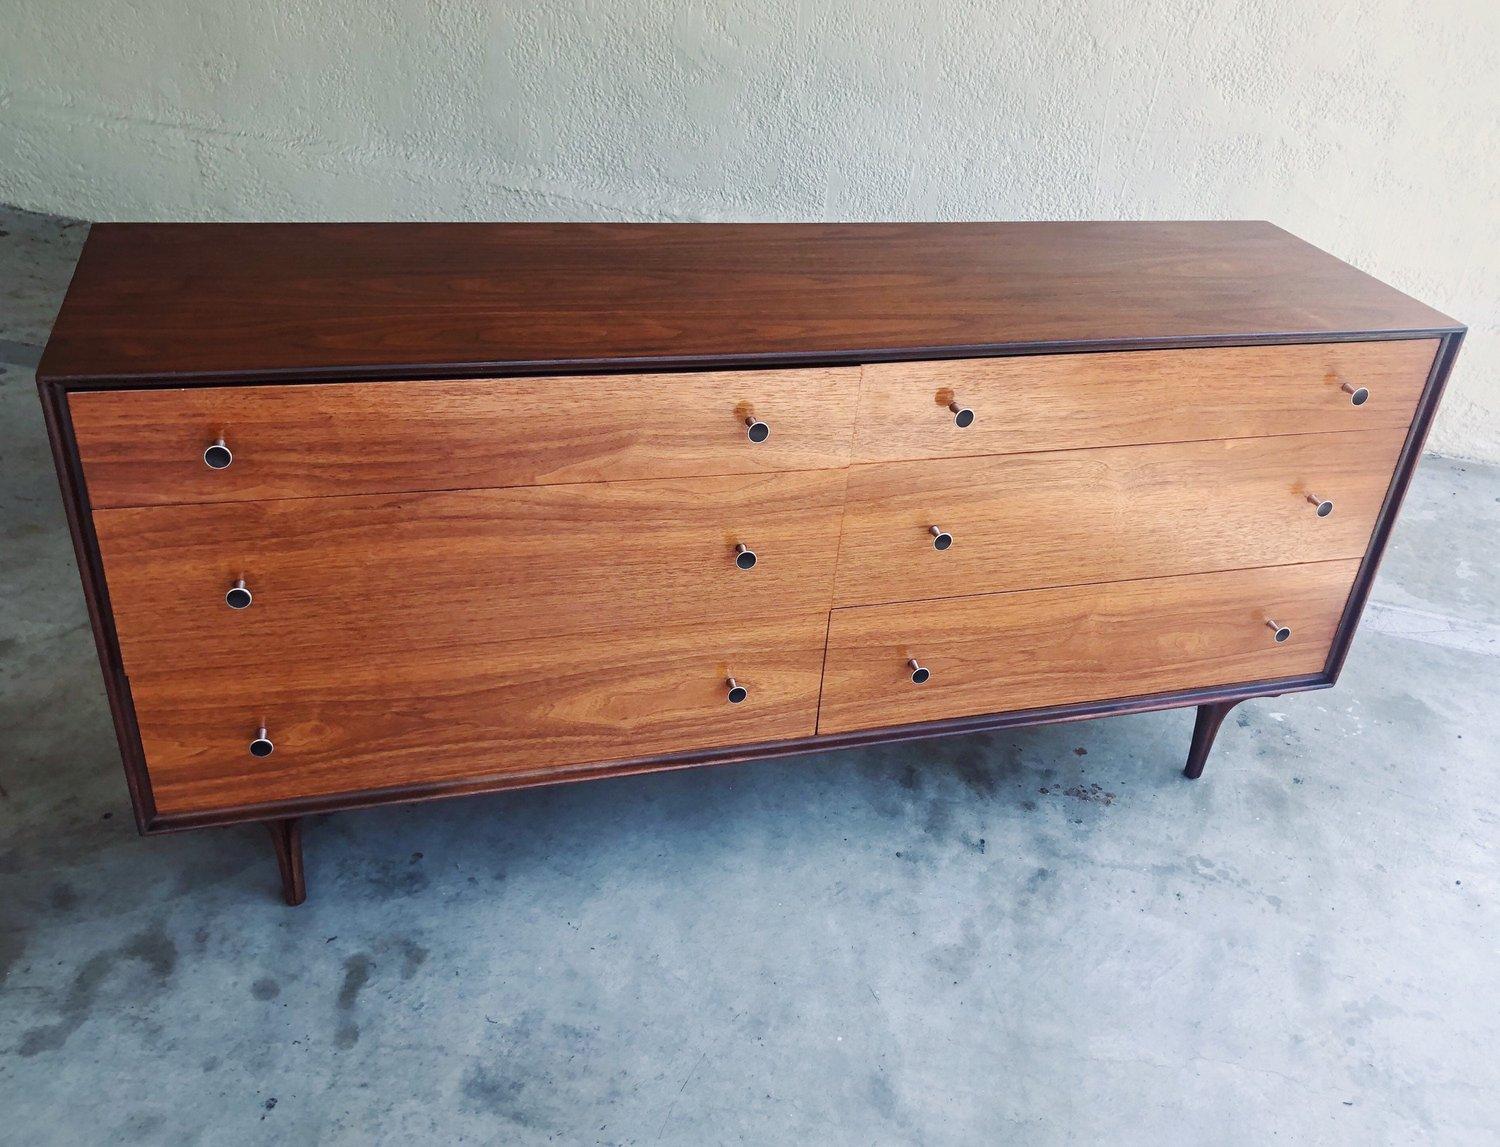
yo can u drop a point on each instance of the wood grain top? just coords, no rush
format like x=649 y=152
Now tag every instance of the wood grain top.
x=248 y=301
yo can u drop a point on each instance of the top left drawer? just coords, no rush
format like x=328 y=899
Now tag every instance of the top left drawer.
x=152 y=447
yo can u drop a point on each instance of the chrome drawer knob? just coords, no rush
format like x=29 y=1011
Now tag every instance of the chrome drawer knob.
x=756 y=430
x=261 y=746
x=941 y=539
x=737 y=692
x=744 y=556
x=1358 y=395
x=919 y=673
x=1324 y=506
x=962 y=415
x=218 y=456
x=1280 y=632
x=238 y=597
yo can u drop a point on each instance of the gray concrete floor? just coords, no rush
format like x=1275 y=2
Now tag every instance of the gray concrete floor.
x=1041 y=937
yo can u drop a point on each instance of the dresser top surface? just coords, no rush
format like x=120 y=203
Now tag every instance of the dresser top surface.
x=260 y=301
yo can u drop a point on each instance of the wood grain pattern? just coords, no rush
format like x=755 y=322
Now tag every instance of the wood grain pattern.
x=343 y=723
x=1014 y=651
x=172 y=302
x=382 y=574
x=1030 y=520
x=1059 y=402
x=145 y=447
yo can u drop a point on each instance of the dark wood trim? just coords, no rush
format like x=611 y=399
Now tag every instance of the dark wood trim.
x=1061 y=714
x=1406 y=465
x=665 y=364
x=1205 y=729
x=54 y=391
x=96 y=597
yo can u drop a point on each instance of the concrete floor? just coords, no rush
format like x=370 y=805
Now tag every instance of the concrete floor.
x=1045 y=937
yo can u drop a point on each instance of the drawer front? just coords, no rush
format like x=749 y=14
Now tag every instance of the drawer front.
x=1025 y=521
x=385 y=573
x=146 y=447
x=1058 y=402
x=1013 y=651
x=346 y=723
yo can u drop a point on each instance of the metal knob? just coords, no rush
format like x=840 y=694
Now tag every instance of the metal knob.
x=737 y=692
x=919 y=673
x=218 y=456
x=1358 y=395
x=1281 y=632
x=756 y=430
x=238 y=596
x=744 y=556
x=1324 y=506
x=941 y=539
x=261 y=746
x=961 y=414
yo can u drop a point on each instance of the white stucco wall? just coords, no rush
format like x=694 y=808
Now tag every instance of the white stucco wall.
x=1370 y=127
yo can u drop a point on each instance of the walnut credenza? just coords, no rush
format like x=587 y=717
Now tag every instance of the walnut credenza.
x=385 y=512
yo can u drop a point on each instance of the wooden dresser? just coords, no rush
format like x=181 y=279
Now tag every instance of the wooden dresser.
x=385 y=512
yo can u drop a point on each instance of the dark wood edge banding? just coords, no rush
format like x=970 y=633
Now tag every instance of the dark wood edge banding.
x=1406 y=465
x=96 y=597
x=739 y=753
x=55 y=389
x=407 y=372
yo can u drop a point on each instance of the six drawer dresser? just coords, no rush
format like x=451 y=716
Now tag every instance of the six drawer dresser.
x=385 y=512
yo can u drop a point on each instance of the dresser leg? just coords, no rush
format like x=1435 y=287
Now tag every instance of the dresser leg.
x=286 y=838
x=1205 y=728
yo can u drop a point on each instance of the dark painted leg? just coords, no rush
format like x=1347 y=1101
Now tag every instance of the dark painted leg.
x=286 y=836
x=1210 y=717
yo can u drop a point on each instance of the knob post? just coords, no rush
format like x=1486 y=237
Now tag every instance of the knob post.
x=261 y=746
x=919 y=673
x=239 y=596
x=1279 y=632
x=1323 y=506
x=737 y=692
x=755 y=429
x=1358 y=395
x=941 y=538
x=744 y=556
x=218 y=455
x=962 y=415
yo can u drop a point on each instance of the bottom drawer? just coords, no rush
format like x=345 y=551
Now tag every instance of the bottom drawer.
x=473 y=713
x=1032 y=649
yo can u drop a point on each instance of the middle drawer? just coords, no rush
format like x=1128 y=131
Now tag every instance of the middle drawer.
x=958 y=526
x=380 y=573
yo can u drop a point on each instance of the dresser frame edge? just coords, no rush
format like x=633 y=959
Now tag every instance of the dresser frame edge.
x=668 y=364
x=1395 y=495
x=76 y=506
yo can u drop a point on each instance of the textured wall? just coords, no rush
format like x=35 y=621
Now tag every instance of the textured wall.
x=1370 y=127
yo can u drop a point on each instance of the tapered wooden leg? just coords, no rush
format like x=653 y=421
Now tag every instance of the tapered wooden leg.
x=1205 y=728
x=286 y=837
